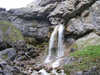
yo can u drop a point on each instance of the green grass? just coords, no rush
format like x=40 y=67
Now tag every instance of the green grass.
x=85 y=59
x=90 y=51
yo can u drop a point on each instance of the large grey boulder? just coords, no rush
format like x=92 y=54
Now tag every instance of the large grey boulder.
x=77 y=27
x=88 y=40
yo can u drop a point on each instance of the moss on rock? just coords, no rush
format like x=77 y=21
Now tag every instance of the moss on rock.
x=10 y=32
x=30 y=40
x=87 y=54
x=85 y=59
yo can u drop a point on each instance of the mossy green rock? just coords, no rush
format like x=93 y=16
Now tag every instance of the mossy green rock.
x=85 y=59
x=91 y=39
x=8 y=54
x=10 y=32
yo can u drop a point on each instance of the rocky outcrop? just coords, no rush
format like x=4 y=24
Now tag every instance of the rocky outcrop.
x=86 y=23
x=8 y=54
x=60 y=11
x=90 y=39
x=28 y=29
x=78 y=17
x=8 y=35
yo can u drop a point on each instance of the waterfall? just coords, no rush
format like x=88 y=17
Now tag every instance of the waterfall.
x=56 y=63
x=54 y=72
x=43 y=72
x=56 y=40
x=58 y=32
x=62 y=72
x=51 y=44
x=60 y=41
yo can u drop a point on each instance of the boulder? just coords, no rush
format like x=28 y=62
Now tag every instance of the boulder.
x=6 y=69
x=78 y=28
x=8 y=54
x=88 y=40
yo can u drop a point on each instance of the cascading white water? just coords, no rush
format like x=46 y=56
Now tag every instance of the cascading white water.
x=60 y=41
x=43 y=72
x=56 y=63
x=54 y=72
x=60 y=49
x=62 y=72
x=57 y=35
x=51 y=44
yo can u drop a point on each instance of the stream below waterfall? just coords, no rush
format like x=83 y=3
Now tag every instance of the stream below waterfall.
x=55 y=53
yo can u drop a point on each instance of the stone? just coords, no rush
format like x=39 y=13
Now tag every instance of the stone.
x=10 y=34
x=8 y=54
x=86 y=73
x=79 y=73
x=91 y=39
x=94 y=68
x=78 y=28
x=80 y=18
x=86 y=23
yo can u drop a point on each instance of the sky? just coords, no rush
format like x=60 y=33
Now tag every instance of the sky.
x=8 y=4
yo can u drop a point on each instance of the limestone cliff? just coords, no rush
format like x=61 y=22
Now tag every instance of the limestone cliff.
x=28 y=29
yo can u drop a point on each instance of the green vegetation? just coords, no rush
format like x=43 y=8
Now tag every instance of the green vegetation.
x=34 y=42
x=10 y=32
x=90 y=51
x=4 y=56
x=34 y=23
x=30 y=40
x=85 y=59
